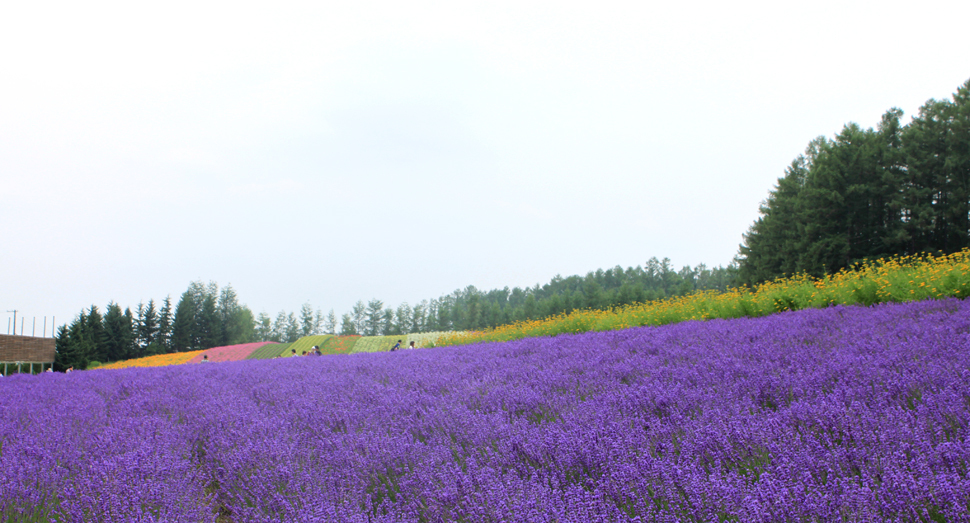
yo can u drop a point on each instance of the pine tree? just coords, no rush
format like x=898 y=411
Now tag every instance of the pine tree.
x=347 y=325
x=308 y=324
x=359 y=317
x=96 y=335
x=244 y=326
x=65 y=351
x=292 y=328
x=163 y=341
x=418 y=317
x=404 y=319
x=147 y=326
x=184 y=325
x=264 y=328
x=279 y=327
x=208 y=326
x=119 y=334
x=388 y=325
x=374 y=314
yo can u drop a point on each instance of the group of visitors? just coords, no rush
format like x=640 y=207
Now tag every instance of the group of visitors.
x=397 y=346
x=314 y=351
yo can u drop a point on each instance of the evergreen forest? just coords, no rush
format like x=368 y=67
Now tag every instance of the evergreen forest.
x=867 y=194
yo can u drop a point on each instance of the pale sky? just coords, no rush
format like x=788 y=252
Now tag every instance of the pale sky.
x=335 y=151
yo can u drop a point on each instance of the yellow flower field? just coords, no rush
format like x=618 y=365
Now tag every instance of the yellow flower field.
x=899 y=279
x=160 y=360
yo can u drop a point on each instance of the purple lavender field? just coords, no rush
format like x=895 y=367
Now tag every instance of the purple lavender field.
x=841 y=414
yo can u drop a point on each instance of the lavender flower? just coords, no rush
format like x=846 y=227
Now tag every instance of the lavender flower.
x=839 y=414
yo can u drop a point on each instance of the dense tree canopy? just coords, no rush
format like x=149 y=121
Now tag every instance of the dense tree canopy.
x=868 y=193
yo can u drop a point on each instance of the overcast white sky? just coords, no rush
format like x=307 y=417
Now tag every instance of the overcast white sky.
x=335 y=151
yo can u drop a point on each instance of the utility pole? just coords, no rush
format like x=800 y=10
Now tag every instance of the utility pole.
x=14 y=321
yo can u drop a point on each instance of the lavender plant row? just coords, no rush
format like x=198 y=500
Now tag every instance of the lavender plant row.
x=840 y=414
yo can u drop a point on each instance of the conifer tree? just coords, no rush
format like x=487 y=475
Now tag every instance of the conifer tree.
x=347 y=325
x=184 y=324
x=388 y=325
x=264 y=328
x=292 y=328
x=279 y=327
x=96 y=336
x=118 y=334
x=208 y=327
x=374 y=315
x=147 y=326
x=308 y=323
x=359 y=317
x=163 y=341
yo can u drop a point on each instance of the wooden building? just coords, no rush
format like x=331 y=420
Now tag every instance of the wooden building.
x=25 y=354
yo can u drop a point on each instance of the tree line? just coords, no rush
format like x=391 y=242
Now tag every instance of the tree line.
x=208 y=316
x=866 y=194
x=474 y=309
x=204 y=317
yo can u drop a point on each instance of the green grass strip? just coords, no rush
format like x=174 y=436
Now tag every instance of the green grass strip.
x=269 y=351
x=378 y=343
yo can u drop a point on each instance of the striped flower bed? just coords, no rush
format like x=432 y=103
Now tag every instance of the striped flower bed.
x=230 y=352
x=159 y=360
x=270 y=351
x=339 y=344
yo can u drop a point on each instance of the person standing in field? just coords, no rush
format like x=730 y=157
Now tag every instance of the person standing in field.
x=411 y=345
x=205 y=358
x=396 y=346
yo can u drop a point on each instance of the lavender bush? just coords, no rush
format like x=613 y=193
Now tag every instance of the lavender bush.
x=839 y=414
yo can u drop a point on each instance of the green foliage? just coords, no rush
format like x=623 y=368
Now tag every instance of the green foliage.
x=208 y=317
x=163 y=341
x=269 y=351
x=146 y=328
x=235 y=322
x=204 y=317
x=868 y=194
x=184 y=324
x=347 y=326
x=310 y=323
x=377 y=343
x=119 y=334
x=471 y=309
